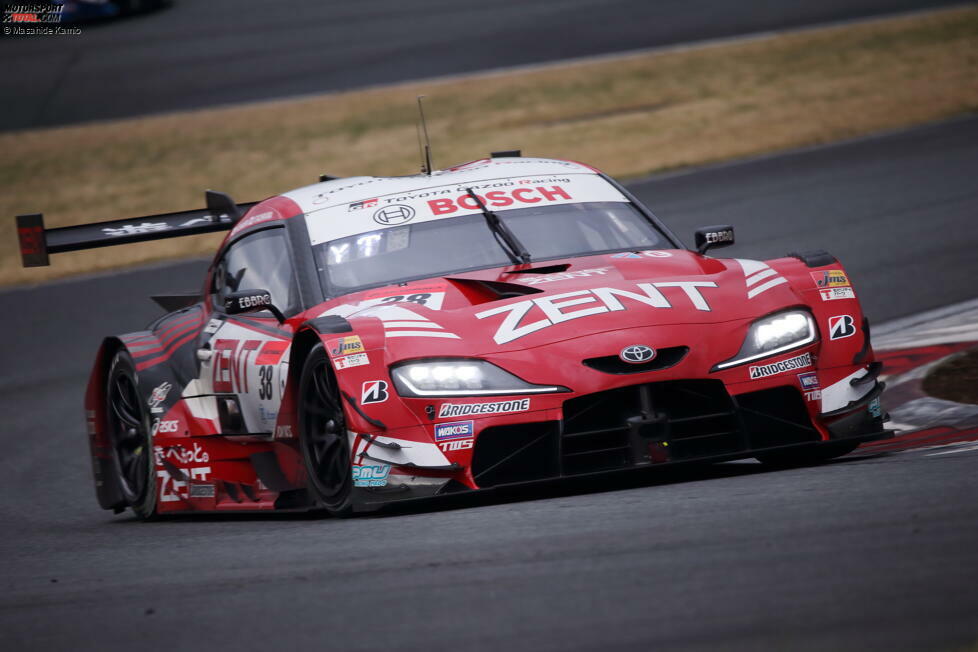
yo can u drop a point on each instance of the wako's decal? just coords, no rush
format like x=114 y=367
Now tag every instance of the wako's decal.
x=496 y=407
x=603 y=300
x=454 y=430
x=797 y=362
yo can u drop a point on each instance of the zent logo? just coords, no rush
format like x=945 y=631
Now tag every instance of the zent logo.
x=841 y=326
x=374 y=391
x=637 y=354
x=394 y=215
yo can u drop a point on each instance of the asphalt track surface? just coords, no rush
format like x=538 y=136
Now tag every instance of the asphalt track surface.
x=208 y=52
x=867 y=553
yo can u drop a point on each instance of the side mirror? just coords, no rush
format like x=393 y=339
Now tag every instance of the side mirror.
x=246 y=301
x=708 y=237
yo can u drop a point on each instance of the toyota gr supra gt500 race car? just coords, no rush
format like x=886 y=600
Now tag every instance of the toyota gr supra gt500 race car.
x=367 y=340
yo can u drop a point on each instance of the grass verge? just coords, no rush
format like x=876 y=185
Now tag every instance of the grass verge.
x=628 y=116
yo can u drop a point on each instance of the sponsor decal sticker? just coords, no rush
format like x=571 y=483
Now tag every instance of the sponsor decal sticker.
x=170 y=425
x=360 y=205
x=830 y=278
x=643 y=254
x=814 y=395
x=455 y=445
x=345 y=346
x=201 y=490
x=775 y=368
x=355 y=360
x=841 y=326
x=808 y=380
x=371 y=475
x=157 y=397
x=563 y=276
x=497 y=407
x=454 y=430
x=374 y=391
x=393 y=215
x=875 y=409
x=283 y=432
x=831 y=294
x=212 y=326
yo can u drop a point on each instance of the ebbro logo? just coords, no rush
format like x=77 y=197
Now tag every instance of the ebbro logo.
x=637 y=354
x=393 y=215
x=456 y=430
x=797 y=362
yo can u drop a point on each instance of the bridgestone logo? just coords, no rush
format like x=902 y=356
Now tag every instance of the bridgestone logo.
x=798 y=362
x=465 y=409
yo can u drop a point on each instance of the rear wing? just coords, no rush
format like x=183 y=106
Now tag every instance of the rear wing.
x=36 y=242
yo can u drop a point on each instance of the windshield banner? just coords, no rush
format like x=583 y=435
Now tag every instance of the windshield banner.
x=442 y=202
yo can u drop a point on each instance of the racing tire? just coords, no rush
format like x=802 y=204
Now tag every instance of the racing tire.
x=323 y=436
x=131 y=437
x=807 y=456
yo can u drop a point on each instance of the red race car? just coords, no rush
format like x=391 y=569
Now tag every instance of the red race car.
x=367 y=340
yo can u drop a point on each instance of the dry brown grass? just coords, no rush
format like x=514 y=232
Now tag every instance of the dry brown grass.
x=628 y=116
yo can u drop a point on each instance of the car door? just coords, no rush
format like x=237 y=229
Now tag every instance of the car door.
x=244 y=358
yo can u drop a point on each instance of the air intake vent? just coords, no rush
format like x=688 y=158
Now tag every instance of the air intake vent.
x=665 y=358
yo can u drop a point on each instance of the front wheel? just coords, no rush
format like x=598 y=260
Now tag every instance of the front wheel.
x=322 y=435
x=131 y=437
x=807 y=456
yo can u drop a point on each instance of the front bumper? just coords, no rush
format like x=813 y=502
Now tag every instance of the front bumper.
x=648 y=425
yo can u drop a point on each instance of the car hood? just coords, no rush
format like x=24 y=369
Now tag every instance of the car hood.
x=509 y=309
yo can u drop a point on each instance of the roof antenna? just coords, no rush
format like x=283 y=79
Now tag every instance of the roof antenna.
x=425 y=146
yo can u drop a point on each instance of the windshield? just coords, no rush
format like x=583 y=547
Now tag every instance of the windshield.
x=439 y=247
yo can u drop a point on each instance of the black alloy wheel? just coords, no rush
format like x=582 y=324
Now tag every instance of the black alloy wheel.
x=130 y=434
x=323 y=436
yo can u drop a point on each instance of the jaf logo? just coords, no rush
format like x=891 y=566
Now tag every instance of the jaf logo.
x=393 y=215
x=637 y=353
x=841 y=326
x=374 y=391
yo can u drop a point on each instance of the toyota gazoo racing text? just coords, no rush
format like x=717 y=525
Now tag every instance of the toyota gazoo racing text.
x=367 y=340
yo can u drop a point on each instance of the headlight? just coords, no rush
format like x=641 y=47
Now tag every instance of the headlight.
x=772 y=335
x=461 y=378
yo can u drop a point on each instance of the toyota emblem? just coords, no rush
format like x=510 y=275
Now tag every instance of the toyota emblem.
x=637 y=353
x=393 y=215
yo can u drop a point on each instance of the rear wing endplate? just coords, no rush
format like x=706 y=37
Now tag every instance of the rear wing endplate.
x=37 y=243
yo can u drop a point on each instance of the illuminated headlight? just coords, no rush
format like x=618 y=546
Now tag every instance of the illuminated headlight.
x=461 y=378
x=773 y=335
